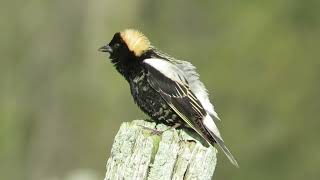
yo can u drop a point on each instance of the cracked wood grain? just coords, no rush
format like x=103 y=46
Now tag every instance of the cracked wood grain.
x=175 y=154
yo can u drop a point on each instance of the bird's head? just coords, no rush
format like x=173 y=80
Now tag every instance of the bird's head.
x=127 y=44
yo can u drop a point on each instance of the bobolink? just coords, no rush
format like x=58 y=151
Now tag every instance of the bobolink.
x=166 y=89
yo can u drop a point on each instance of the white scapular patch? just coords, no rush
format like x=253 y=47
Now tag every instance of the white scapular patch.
x=182 y=71
x=167 y=68
x=211 y=126
x=136 y=41
x=197 y=86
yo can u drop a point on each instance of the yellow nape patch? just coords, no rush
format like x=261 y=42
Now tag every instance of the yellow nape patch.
x=136 y=41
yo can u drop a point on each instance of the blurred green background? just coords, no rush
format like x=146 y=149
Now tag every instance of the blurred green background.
x=62 y=101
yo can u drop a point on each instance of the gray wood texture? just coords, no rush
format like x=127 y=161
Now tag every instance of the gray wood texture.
x=139 y=154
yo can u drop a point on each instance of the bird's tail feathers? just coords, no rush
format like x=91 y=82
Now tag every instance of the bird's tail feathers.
x=214 y=132
x=226 y=151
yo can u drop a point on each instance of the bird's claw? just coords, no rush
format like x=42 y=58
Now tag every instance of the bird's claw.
x=153 y=131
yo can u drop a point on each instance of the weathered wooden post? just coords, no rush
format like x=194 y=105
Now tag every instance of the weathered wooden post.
x=138 y=154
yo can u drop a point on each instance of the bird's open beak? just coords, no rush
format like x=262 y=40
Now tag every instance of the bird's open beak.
x=106 y=48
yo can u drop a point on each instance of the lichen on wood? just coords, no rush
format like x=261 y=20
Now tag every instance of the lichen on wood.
x=137 y=153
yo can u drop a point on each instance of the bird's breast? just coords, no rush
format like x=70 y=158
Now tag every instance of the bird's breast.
x=151 y=102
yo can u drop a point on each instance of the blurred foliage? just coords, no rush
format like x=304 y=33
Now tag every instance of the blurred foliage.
x=62 y=101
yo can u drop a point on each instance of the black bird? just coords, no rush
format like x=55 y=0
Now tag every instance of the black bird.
x=166 y=89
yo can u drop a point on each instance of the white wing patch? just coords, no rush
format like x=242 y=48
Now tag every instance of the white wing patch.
x=167 y=68
x=197 y=86
x=211 y=126
x=183 y=71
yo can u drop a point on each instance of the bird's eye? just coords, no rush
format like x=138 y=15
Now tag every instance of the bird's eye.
x=116 y=45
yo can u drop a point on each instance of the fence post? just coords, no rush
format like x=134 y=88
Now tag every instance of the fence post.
x=138 y=154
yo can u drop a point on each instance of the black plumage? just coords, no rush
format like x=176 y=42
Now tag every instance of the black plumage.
x=166 y=89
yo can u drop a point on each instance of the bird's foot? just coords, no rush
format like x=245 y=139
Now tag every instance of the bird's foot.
x=153 y=131
x=158 y=132
x=149 y=120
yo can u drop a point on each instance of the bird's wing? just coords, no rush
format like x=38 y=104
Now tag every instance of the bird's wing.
x=170 y=81
x=197 y=87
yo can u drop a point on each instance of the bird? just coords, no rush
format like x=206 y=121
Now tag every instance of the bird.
x=165 y=88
